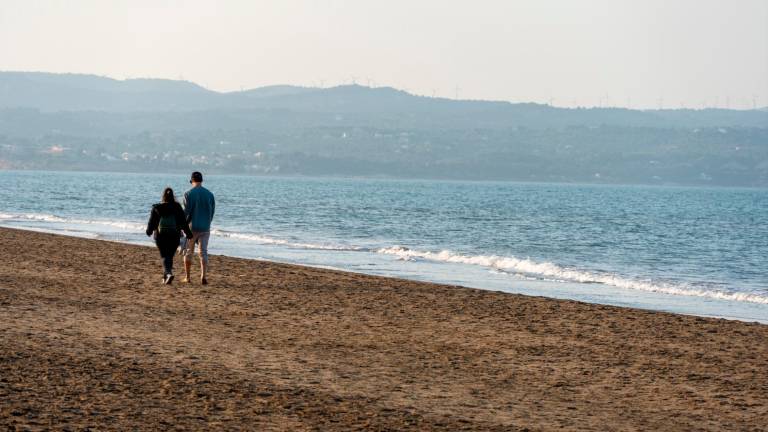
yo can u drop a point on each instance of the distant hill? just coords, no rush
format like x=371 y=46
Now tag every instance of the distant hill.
x=271 y=91
x=74 y=92
x=49 y=92
x=87 y=122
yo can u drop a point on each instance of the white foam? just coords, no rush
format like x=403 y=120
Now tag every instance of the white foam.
x=261 y=239
x=138 y=227
x=43 y=217
x=39 y=217
x=546 y=270
x=128 y=226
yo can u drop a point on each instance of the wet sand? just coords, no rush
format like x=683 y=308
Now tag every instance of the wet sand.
x=90 y=338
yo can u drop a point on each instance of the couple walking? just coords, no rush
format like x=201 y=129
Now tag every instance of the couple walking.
x=168 y=220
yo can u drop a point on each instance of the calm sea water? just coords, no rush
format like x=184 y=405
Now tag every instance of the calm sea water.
x=689 y=250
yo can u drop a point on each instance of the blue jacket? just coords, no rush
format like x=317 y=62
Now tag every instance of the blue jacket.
x=199 y=206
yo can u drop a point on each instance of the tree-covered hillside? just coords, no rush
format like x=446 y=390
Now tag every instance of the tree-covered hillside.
x=81 y=122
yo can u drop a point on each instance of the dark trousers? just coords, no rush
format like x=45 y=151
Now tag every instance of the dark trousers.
x=167 y=243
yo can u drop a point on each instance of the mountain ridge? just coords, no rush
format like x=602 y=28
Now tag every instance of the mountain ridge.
x=153 y=125
x=50 y=92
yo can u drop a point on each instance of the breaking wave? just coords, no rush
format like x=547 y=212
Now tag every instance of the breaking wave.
x=550 y=271
x=261 y=239
x=42 y=217
x=138 y=227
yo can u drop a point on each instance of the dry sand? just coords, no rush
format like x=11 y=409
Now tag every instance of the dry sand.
x=90 y=338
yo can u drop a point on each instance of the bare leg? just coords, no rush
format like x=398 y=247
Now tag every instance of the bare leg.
x=187 y=268
x=203 y=271
x=204 y=257
x=189 y=249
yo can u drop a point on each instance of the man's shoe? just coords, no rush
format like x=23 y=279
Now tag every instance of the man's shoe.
x=204 y=281
x=169 y=279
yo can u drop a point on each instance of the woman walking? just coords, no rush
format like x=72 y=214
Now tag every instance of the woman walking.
x=166 y=222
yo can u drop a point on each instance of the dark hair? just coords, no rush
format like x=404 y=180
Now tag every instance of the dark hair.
x=196 y=177
x=168 y=196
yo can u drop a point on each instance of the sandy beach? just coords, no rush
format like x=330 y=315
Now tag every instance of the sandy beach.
x=89 y=338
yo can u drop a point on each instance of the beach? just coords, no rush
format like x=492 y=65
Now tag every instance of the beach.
x=90 y=338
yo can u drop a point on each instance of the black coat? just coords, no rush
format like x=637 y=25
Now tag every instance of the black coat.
x=164 y=209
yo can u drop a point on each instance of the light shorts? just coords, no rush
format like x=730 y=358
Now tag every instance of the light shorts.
x=201 y=239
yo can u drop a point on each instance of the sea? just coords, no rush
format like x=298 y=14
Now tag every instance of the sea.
x=698 y=251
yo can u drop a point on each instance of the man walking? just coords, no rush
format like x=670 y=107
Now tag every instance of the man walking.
x=199 y=206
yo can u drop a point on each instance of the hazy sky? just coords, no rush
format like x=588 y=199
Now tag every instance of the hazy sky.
x=641 y=53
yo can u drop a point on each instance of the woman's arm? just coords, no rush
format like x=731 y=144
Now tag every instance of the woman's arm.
x=154 y=219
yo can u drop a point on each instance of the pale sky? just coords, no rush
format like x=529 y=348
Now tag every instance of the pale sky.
x=637 y=53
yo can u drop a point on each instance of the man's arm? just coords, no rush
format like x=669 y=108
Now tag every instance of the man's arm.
x=181 y=220
x=213 y=206
x=187 y=207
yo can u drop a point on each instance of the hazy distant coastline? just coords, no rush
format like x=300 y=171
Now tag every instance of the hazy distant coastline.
x=85 y=122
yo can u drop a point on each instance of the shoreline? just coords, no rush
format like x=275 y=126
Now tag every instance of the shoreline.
x=90 y=338
x=645 y=299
